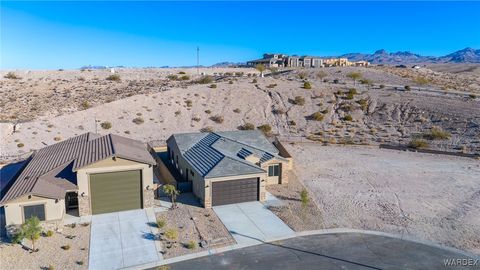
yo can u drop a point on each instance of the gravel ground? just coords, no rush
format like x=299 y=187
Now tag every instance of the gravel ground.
x=433 y=197
x=50 y=253
x=195 y=224
x=296 y=216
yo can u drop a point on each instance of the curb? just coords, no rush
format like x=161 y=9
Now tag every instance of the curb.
x=298 y=234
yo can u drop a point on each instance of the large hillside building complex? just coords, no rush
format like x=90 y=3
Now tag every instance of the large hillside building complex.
x=270 y=60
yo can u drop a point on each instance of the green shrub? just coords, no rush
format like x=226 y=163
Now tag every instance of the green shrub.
x=185 y=78
x=299 y=100
x=11 y=75
x=208 y=111
x=273 y=85
x=348 y=117
x=20 y=145
x=254 y=81
x=421 y=80
x=307 y=85
x=230 y=82
x=302 y=75
x=352 y=91
x=205 y=80
x=407 y=88
x=304 y=197
x=278 y=111
x=418 y=144
x=363 y=104
x=317 y=116
x=349 y=96
x=85 y=105
x=217 y=119
x=160 y=223
x=49 y=233
x=106 y=125
x=138 y=120
x=437 y=133
x=181 y=72
x=265 y=128
x=237 y=110
x=66 y=247
x=247 y=126
x=171 y=234
x=213 y=85
x=206 y=129
x=80 y=262
x=191 y=245
x=51 y=267
x=172 y=77
x=189 y=103
x=113 y=77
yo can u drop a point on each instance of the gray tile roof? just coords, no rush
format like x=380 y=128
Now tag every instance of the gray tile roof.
x=40 y=175
x=219 y=154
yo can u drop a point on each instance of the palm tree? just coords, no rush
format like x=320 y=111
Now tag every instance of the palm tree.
x=31 y=230
x=171 y=191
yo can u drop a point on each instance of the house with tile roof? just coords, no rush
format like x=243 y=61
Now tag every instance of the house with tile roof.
x=89 y=174
x=228 y=167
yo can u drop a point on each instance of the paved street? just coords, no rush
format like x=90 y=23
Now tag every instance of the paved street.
x=251 y=222
x=121 y=239
x=331 y=251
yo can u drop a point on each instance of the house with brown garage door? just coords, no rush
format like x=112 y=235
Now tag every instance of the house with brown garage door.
x=90 y=173
x=228 y=167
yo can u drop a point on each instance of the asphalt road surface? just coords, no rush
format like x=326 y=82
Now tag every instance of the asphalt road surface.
x=334 y=251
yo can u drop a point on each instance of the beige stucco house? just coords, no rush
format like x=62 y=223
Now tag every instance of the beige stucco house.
x=87 y=174
x=228 y=167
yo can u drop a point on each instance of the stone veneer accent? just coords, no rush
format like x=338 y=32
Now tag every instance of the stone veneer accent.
x=148 y=198
x=284 y=176
x=84 y=206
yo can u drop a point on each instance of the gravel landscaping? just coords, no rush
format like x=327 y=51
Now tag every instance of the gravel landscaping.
x=51 y=253
x=296 y=216
x=195 y=226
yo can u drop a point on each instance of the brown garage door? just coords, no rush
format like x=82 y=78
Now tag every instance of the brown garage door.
x=234 y=191
x=116 y=191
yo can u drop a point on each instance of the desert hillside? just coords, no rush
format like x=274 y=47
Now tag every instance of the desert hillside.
x=384 y=105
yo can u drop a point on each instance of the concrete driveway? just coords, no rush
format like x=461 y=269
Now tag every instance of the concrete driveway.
x=251 y=223
x=121 y=239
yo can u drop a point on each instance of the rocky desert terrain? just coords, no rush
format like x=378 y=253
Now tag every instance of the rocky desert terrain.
x=384 y=105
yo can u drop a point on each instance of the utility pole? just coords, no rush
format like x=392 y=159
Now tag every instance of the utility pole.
x=198 y=60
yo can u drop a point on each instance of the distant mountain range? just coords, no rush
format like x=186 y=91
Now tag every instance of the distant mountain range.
x=467 y=55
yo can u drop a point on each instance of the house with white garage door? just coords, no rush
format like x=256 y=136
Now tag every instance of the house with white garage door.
x=92 y=173
x=228 y=167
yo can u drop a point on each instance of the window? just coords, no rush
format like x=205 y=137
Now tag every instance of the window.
x=273 y=170
x=34 y=210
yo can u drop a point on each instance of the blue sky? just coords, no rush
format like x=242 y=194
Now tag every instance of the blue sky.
x=50 y=35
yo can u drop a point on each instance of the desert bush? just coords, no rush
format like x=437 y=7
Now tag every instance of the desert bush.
x=177 y=113
x=191 y=245
x=85 y=105
x=49 y=233
x=206 y=129
x=349 y=96
x=352 y=91
x=20 y=145
x=325 y=111
x=307 y=85
x=407 y=88
x=172 y=77
x=181 y=72
x=265 y=128
x=171 y=234
x=299 y=100
x=336 y=81
x=247 y=126
x=11 y=75
x=138 y=120
x=237 y=110
x=437 y=133
x=366 y=81
x=273 y=85
x=239 y=74
x=254 y=81
x=106 y=125
x=292 y=123
x=80 y=262
x=213 y=85
x=57 y=139
x=278 y=111
x=217 y=119
x=230 y=82
x=205 y=80
x=208 y=111
x=348 y=117
x=127 y=132
x=160 y=223
x=321 y=75
x=50 y=267
x=189 y=103
x=363 y=104
x=354 y=76
x=260 y=68
x=381 y=86
x=113 y=77
x=66 y=247
x=472 y=96
x=418 y=143
x=421 y=80
x=302 y=75
x=185 y=78
x=317 y=116
x=304 y=198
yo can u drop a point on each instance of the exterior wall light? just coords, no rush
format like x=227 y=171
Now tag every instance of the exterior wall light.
x=83 y=194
